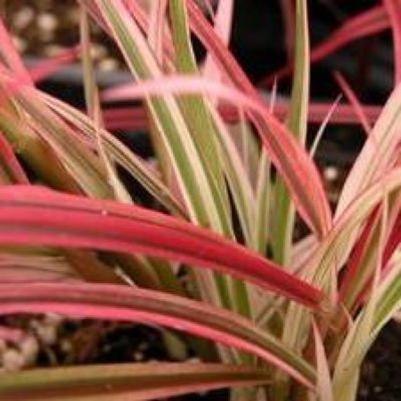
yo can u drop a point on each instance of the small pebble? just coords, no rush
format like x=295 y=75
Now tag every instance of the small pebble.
x=46 y=333
x=138 y=356
x=12 y=360
x=108 y=64
x=52 y=50
x=377 y=389
x=29 y=349
x=66 y=346
x=20 y=44
x=98 y=51
x=331 y=173
x=23 y=17
x=47 y=21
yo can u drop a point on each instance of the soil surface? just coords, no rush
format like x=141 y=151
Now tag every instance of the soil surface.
x=381 y=371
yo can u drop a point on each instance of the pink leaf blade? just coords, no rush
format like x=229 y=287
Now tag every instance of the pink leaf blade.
x=44 y=68
x=123 y=118
x=296 y=166
x=10 y=56
x=367 y=23
x=393 y=8
x=354 y=101
x=120 y=382
x=32 y=215
x=117 y=302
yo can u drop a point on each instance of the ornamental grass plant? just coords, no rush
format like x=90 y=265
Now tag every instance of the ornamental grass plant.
x=212 y=259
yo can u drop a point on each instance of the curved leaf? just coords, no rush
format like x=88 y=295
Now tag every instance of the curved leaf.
x=34 y=215
x=119 y=382
x=367 y=23
x=377 y=152
x=117 y=302
x=293 y=163
x=131 y=162
x=284 y=221
x=393 y=8
x=303 y=178
x=134 y=118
